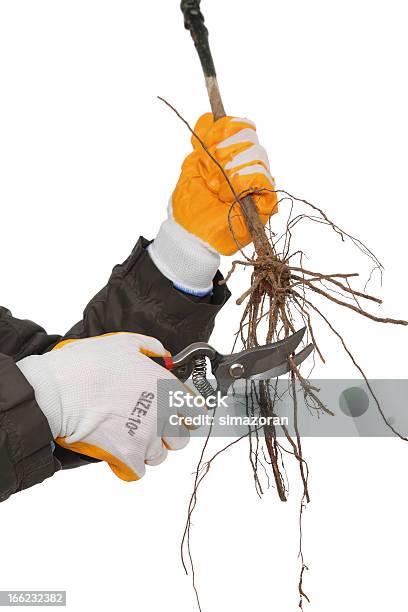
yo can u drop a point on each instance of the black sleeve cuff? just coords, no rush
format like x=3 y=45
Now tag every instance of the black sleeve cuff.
x=139 y=299
x=21 y=337
x=26 y=456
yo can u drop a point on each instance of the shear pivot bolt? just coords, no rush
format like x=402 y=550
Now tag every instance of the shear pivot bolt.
x=237 y=370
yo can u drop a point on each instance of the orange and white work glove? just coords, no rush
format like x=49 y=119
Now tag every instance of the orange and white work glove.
x=204 y=219
x=100 y=398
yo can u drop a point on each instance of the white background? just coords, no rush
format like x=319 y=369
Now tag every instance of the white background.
x=88 y=158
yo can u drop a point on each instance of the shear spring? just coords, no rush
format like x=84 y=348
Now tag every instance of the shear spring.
x=199 y=376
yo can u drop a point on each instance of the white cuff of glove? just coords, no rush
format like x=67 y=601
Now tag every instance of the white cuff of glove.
x=45 y=391
x=184 y=259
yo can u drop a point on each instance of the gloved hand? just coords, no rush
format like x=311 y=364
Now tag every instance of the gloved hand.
x=100 y=398
x=201 y=223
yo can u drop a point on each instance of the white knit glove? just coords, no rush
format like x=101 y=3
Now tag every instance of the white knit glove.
x=100 y=398
x=183 y=258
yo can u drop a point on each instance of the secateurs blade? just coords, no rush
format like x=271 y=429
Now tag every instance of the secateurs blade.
x=258 y=363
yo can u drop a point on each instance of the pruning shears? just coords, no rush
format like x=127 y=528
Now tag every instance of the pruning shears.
x=258 y=363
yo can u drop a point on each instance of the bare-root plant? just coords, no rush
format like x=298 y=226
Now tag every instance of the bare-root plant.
x=282 y=294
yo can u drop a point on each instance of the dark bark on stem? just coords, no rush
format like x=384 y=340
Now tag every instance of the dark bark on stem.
x=195 y=23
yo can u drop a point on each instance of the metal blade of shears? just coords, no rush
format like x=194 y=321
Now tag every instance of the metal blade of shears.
x=284 y=367
x=257 y=360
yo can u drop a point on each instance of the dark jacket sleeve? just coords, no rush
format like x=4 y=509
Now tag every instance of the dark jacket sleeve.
x=137 y=298
x=21 y=337
x=26 y=445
